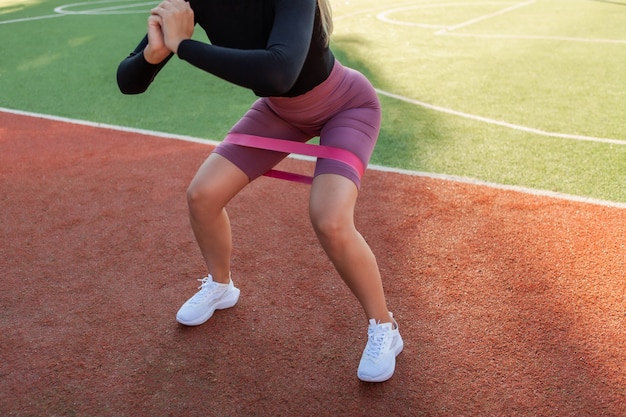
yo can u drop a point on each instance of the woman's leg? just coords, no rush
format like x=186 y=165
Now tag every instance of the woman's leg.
x=226 y=172
x=217 y=181
x=333 y=198
x=331 y=208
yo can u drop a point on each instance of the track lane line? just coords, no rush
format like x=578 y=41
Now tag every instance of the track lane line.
x=444 y=177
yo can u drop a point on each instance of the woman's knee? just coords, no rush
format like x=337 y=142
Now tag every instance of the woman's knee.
x=323 y=224
x=200 y=198
x=331 y=226
x=331 y=206
x=214 y=185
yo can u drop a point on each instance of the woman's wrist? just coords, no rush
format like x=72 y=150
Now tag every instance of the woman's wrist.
x=175 y=45
x=154 y=57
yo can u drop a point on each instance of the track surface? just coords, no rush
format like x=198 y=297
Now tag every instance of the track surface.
x=509 y=304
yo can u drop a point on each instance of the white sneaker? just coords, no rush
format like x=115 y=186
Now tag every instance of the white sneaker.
x=212 y=296
x=384 y=343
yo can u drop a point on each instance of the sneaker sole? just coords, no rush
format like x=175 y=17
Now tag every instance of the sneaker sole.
x=384 y=377
x=223 y=304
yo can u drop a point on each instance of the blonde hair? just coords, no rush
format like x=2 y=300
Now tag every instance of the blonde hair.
x=326 y=16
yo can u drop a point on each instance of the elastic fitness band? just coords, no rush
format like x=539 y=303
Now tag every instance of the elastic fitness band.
x=287 y=146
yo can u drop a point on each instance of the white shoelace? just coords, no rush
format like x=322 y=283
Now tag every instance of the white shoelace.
x=376 y=340
x=207 y=286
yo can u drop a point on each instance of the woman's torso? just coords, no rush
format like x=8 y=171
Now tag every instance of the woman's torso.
x=247 y=24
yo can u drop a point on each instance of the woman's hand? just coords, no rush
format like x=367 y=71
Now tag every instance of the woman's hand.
x=176 y=21
x=155 y=51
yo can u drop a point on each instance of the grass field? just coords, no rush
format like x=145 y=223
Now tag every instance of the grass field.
x=523 y=93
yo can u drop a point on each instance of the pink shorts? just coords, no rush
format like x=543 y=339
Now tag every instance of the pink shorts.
x=343 y=111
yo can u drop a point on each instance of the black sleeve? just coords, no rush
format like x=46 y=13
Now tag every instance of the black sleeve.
x=135 y=74
x=268 y=72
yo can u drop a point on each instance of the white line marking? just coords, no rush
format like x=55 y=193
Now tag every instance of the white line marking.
x=502 y=123
x=444 y=177
x=108 y=126
x=485 y=17
x=447 y=30
x=121 y=9
x=102 y=11
x=504 y=187
x=370 y=10
x=30 y=19
x=383 y=16
x=531 y=37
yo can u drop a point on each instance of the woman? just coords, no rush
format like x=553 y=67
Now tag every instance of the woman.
x=280 y=50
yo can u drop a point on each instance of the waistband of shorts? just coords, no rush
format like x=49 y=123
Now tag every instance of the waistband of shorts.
x=334 y=79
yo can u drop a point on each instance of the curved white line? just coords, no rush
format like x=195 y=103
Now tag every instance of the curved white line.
x=120 y=9
x=62 y=10
x=29 y=19
x=500 y=122
x=383 y=16
x=532 y=37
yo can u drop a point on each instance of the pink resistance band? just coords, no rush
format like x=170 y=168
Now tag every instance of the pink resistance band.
x=281 y=145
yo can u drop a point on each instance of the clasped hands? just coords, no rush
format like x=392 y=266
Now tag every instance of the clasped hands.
x=170 y=23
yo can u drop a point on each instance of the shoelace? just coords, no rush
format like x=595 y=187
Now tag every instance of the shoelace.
x=376 y=340
x=206 y=287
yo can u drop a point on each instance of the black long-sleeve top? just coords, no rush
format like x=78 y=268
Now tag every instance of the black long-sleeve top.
x=273 y=47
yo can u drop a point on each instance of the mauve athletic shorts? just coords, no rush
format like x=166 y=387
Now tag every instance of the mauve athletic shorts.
x=343 y=111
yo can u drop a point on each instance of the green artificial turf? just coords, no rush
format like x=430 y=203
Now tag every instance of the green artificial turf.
x=553 y=66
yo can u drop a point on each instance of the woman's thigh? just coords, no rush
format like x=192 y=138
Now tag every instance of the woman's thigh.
x=216 y=182
x=260 y=120
x=355 y=130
